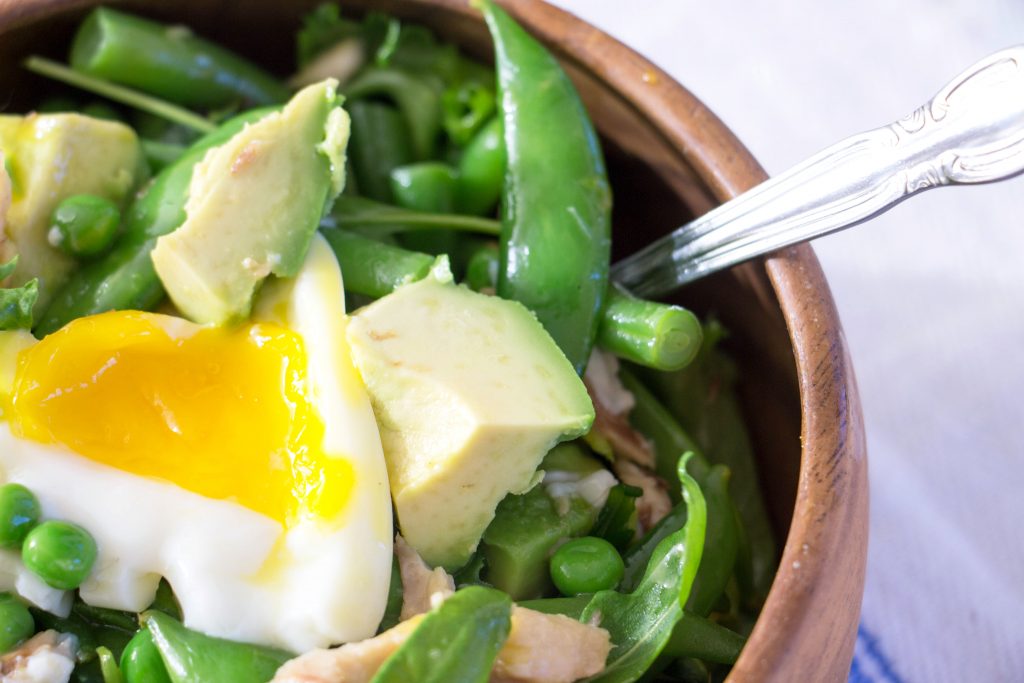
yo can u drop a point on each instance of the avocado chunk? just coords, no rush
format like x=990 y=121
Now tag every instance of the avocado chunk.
x=253 y=206
x=470 y=392
x=50 y=157
x=524 y=533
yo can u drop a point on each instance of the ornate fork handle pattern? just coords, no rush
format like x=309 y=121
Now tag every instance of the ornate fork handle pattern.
x=971 y=132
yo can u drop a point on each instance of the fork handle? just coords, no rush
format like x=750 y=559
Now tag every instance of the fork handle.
x=971 y=132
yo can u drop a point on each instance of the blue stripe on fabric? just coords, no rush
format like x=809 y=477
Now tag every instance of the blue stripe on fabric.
x=870 y=663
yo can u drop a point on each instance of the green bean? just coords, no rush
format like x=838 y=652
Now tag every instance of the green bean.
x=84 y=225
x=653 y=334
x=19 y=514
x=482 y=170
x=719 y=557
x=586 y=565
x=703 y=398
x=372 y=268
x=655 y=422
x=379 y=143
x=556 y=204
x=60 y=553
x=695 y=636
x=418 y=102
x=16 y=623
x=170 y=62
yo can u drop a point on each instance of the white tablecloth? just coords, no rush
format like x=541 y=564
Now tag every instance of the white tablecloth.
x=929 y=295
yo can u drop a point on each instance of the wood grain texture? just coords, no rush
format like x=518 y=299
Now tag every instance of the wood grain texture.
x=670 y=158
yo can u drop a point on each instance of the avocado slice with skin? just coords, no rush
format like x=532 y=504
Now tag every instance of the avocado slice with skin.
x=254 y=205
x=470 y=392
x=50 y=157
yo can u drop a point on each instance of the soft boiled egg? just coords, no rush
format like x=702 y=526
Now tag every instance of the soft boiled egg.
x=242 y=464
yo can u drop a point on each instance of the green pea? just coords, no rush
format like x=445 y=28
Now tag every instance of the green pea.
x=84 y=225
x=141 y=661
x=19 y=513
x=60 y=553
x=586 y=565
x=16 y=623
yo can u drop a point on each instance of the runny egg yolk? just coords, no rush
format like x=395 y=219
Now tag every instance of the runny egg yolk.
x=224 y=413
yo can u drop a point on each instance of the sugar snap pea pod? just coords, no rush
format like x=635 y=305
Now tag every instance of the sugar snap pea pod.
x=419 y=103
x=190 y=656
x=481 y=171
x=372 y=268
x=379 y=143
x=125 y=278
x=556 y=200
x=653 y=334
x=168 y=61
x=141 y=661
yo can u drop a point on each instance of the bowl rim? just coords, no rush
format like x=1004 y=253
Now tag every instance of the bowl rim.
x=808 y=624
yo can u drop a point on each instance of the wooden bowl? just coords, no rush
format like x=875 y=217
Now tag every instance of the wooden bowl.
x=670 y=158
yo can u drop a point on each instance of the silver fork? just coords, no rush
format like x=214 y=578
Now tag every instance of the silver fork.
x=971 y=132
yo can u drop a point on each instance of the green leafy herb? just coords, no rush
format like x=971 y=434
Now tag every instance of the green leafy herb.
x=356 y=212
x=458 y=641
x=119 y=93
x=322 y=28
x=641 y=622
x=108 y=666
x=16 y=303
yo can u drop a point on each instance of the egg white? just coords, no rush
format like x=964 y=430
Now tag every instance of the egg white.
x=330 y=577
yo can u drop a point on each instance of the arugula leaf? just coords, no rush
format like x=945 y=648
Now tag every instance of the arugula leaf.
x=7 y=268
x=322 y=28
x=458 y=641
x=108 y=666
x=641 y=622
x=16 y=303
x=16 y=306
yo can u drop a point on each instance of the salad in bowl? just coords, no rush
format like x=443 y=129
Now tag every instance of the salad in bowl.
x=324 y=379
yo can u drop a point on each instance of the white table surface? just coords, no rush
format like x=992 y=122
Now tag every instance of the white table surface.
x=929 y=296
